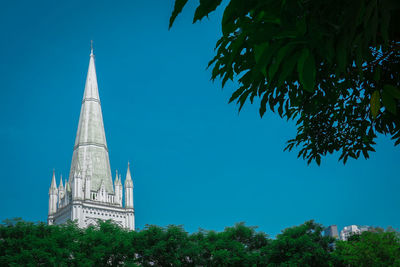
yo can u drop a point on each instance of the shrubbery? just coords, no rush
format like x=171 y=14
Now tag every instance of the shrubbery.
x=26 y=243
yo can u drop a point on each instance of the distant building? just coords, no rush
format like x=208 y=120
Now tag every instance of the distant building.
x=331 y=231
x=89 y=194
x=352 y=230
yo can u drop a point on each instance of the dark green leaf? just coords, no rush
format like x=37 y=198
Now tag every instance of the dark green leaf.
x=205 y=8
x=306 y=70
x=374 y=25
x=263 y=105
x=341 y=55
x=377 y=74
x=237 y=93
x=389 y=102
x=318 y=159
x=287 y=68
x=365 y=153
x=393 y=91
x=282 y=53
x=384 y=29
x=259 y=50
x=375 y=104
x=242 y=98
x=179 y=4
x=228 y=24
x=265 y=58
x=397 y=142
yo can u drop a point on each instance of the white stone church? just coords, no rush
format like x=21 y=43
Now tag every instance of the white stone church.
x=89 y=194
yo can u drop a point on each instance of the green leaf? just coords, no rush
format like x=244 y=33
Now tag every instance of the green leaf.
x=228 y=19
x=179 y=4
x=330 y=50
x=345 y=158
x=263 y=105
x=368 y=13
x=242 y=98
x=374 y=26
x=205 y=8
x=290 y=34
x=301 y=26
x=377 y=74
x=385 y=17
x=306 y=70
x=365 y=153
x=236 y=46
x=268 y=18
x=341 y=55
x=265 y=58
x=284 y=51
x=259 y=50
x=397 y=142
x=393 y=91
x=228 y=75
x=237 y=93
x=287 y=68
x=389 y=102
x=375 y=104
x=318 y=159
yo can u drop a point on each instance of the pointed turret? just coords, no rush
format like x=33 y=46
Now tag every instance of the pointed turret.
x=77 y=186
x=118 y=190
x=128 y=189
x=128 y=180
x=61 y=194
x=90 y=147
x=53 y=195
x=61 y=186
x=53 y=186
x=116 y=177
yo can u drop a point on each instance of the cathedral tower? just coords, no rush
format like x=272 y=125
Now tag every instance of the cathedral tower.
x=89 y=193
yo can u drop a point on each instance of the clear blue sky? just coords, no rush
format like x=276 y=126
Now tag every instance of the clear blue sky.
x=195 y=161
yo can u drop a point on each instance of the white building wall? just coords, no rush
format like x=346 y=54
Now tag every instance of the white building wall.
x=87 y=213
x=352 y=230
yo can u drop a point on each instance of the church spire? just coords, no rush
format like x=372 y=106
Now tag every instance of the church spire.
x=53 y=181
x=128 y=189
x=90 y=150
x=61 y=183
x=128 y=180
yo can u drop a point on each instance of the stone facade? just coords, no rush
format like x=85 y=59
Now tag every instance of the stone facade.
x=89 y=194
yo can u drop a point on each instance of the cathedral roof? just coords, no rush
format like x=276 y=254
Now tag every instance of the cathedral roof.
x=90 y=156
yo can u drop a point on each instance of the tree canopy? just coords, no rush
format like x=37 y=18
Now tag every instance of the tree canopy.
x=332 y=66
x=31 y=244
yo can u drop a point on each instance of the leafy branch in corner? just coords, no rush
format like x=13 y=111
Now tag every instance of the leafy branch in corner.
x=332 y=66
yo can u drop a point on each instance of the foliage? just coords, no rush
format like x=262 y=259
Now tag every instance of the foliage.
x=301 y=245
x=369 y=249
x=332 y=66
x=31 y=244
